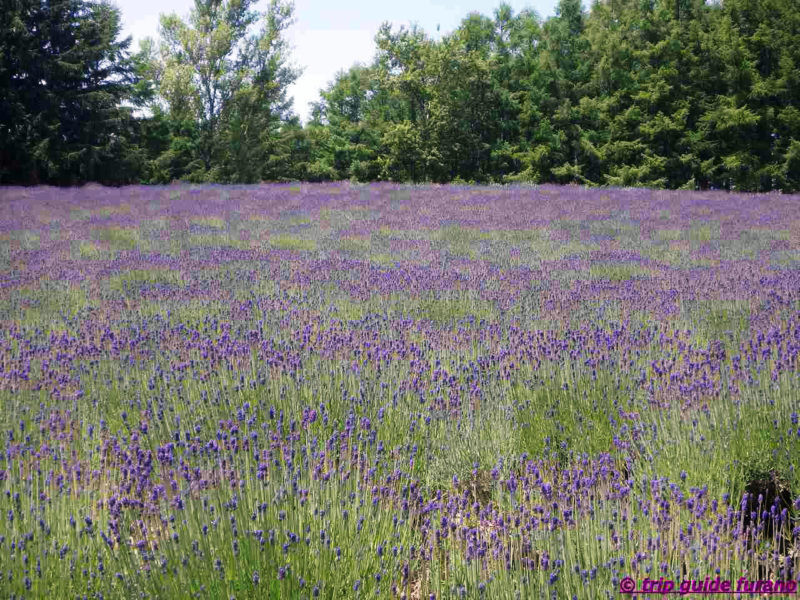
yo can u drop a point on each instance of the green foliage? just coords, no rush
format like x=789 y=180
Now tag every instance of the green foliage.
x=658 y=94
x=447 y=311
x=229 y=88
x=287 y=242
x=63 y=75
x=681 y=94
x=615 y=272
x=135 y=279
x=118 y=238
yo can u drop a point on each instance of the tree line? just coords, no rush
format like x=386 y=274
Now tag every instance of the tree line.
x=686 y=94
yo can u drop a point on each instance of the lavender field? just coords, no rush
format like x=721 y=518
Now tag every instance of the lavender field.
x=388 y=391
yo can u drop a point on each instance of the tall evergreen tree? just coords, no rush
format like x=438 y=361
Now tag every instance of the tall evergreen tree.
x=63 y=76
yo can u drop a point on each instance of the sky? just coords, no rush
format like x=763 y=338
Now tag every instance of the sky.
x=331 y=35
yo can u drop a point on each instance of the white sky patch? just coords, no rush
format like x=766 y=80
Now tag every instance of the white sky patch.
x=320 y=65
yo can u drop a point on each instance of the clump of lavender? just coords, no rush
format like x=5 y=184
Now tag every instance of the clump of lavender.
x=391 y=391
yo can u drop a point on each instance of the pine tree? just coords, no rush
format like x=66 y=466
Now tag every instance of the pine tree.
x=63 y=75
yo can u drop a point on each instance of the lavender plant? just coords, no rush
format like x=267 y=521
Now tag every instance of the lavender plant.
x=303 y=391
